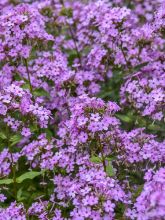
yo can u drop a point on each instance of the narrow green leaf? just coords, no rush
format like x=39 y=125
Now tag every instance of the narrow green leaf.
x=19 y=195
x=109 y=169
x=33 y=127
x=66 y=12
x=26 y=86
x=154 y=127
x=6 y=181
x=95 y=159
x=138 y=67
x=17 y=77
x=124 y=118
x=105 y=94
x=49 y=134
x=28 y=175
x=138 y=191
x=15 y=139
x=40 y=92
x=110 y=158
x=2 y=136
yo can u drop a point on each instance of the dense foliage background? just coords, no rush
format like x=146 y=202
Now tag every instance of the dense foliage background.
x=82 y=106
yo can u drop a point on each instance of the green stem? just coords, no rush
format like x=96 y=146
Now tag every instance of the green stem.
x=14 y=177
x=72 y=36
x=29 y=78
x=13 y=166
x=74 y=40
x=125 y=57
x=102 y=155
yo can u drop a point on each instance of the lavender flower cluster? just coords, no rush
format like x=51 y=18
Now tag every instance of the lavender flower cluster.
x=82 y=110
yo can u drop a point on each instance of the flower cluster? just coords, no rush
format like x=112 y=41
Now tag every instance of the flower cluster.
x=15 y=99
x=91 y=117
x=82 y=106
x=6 y=159
x=140 y=147
x=150 y=203
x=143 y=10
x=92 y=194
x=146 y=92
x=19 y=27
x=13 y=212
x=40 y=153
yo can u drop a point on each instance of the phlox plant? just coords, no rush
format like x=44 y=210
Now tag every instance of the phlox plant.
x=82 y=110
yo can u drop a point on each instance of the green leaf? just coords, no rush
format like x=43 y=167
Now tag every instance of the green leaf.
x=6 y=181
x=154 y=127
x=17 y=77
x=105 y=94
x=138 y=67
x=138 y=191
x=33 y=127
x=72 y=55
x=66 y=12
x=19 y=194
x=26 y=86
x=28 y=175
x=40 y=92
x=2 y=136
x=15 y=139
x=124 y=118
x=110 y=169
x=95 y=159
x=110 y=158
x=21 y=199
x=49 y=134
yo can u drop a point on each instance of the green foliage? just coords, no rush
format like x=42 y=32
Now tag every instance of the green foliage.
x=110 y=169
x=2 y=135
x=15 y=139
x=66 y=12
x=138 y=191
x=6 y=181
x=124 y=118
x=111 y=87
x=95 y=159
x=28 y=175
x=40 y=92
x=140 y=66
x=26 y=86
